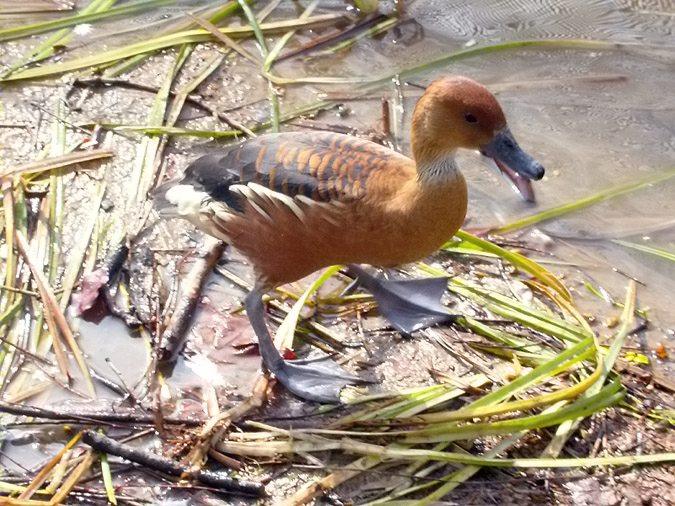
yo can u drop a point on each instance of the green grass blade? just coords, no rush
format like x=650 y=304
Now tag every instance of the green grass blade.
x=511 y=308
x=317 y=444
x=165 y=130
x=451 y=431
x=451 y=481
x=379 y=28
x=444 y=61
x=661 y=253
x=582 y=203
x=107 y=479
x=212 y=15
x=286 y=331
x=17 y=32
x=490 y=403
x=75 y=258
x=566 y=429
x=175 y=131
x=57 y=162
x=515 y=343
x=176 y=108
x=518 y=260
x=412 y=403
x=274 y=53
x=517 y=311
x=162 y=42
x=260 y=37
x=366 y=6
x=144 y=164
x=60 y=38
x=116 y=68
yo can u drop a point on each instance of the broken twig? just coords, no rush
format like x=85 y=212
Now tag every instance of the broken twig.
x=94 y=417
x=58 y=162
x=174 y=336
x=220 y=480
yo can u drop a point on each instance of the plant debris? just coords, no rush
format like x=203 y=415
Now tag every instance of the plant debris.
x=531 y=390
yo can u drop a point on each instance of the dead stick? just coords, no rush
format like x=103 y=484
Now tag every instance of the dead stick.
x=56 y=319
x=175 y=335
x=332 y=38
x=314 y=489
x=213 y=29
x=58 y=162
x=211 y=478
x=52 y=324
x=386 y=119
x=223 y=459
x=96 y=417
x=214 y=429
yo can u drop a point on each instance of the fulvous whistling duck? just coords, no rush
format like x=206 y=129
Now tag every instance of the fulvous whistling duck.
x=299 y=201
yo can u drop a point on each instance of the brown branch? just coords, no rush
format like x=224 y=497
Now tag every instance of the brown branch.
x=331 y=38
x=219 y=480
x=216 y=427
x=175 y=335
x=56 y=327
x=225 y=460
x=314 y=489
x=386 y=119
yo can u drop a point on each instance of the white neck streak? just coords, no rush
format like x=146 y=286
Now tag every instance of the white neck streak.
x=442 y=170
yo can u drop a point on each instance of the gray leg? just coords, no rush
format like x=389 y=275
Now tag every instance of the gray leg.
x=408 y=304
x=319 y=381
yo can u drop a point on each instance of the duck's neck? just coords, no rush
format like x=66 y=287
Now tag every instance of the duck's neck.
x=437 y=171
x=431 y=207
x=435 y=161
x=438 y=183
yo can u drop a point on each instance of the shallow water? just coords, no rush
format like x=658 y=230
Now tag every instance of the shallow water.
x=594 y=118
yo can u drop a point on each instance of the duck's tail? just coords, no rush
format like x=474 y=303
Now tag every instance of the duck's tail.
x=203 y=181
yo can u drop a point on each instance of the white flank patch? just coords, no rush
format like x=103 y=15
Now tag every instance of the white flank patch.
x=186 y=199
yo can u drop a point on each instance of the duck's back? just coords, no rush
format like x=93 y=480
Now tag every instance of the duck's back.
x=321 y=166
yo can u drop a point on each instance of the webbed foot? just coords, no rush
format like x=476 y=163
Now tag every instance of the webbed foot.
x=408 y=304
x=319 y=380
x=313 y=380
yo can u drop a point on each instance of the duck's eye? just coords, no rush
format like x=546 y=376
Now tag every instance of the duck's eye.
x=470 y=118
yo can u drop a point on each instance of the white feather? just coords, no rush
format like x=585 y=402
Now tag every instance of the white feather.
x=243 y=190
x=329 y=219
x=260 y=210
x=186 y=199
x=305 y=200
x=317 y=203
x=279 y=197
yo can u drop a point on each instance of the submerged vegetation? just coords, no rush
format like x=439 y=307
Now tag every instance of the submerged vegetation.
x=530 y=370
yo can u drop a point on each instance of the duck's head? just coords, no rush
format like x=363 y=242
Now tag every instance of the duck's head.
x=457 y=112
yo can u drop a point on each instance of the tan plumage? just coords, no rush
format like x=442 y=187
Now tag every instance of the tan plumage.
x=364 y=205
x=296 y=202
